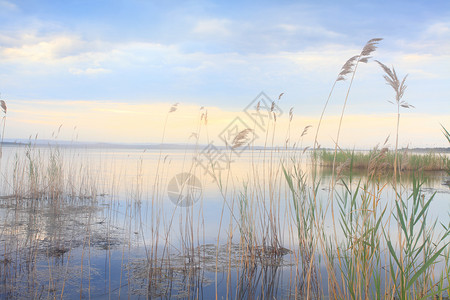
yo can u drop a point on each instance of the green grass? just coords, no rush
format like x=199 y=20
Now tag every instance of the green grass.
x=369 y=249
x=383 y=160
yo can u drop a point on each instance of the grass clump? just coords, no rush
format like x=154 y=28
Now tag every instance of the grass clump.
x=363 y=160
x=48 y=173
x=412 y=262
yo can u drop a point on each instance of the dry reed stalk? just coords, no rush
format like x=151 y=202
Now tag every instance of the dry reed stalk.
x=124 y=245
x=350 y=66
x=4 y=109
x=399 y=87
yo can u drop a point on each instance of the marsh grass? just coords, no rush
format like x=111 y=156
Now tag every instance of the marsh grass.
x=46 y=191
x=386 y=160
x=356 y=263
x=419 y=247
x=43 y=173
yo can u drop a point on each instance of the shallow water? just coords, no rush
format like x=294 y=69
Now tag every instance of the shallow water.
x=115 y=231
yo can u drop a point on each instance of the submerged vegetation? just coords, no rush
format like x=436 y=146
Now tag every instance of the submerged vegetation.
x=74 y=226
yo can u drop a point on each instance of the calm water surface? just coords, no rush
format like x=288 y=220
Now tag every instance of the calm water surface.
x=116 y=213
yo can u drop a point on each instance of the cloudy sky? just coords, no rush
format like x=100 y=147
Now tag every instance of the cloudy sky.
x=110 y=70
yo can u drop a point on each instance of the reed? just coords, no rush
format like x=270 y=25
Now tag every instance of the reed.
x=419 y=250
x=446 y=159
x=2 y=124
x=42 y=184
x=399 y=87
x=406 y=160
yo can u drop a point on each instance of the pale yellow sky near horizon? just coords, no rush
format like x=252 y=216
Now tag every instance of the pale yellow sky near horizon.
x=93 y=121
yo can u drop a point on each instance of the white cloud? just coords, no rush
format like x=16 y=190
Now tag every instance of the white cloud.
x=89 y=71
x=433 y=39
x=419 y=64
x=432 y=66
x=288 y=27
x=69 y=53
x=82 y=57
x=66 y=48
x=65 y=52
x=8 y=5
x=212 y=28
x=310 y=31
x=44 y=49
x=425 y=56
x=440 y=29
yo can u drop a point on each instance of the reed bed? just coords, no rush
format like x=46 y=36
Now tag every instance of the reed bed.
x=363 y=160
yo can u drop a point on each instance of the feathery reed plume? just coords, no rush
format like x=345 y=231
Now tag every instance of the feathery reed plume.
x=348 y=68
x=399 y=87
x=288 y=132
x=353 y=65
x=3 y=105
x=305 y=130
x=241 y=138
x=193 y=135
x=369 y=48
x=174 y=108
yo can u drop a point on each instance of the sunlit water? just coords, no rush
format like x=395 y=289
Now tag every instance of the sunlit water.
x=99 y=247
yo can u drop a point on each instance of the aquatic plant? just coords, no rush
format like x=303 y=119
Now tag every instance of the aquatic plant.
x=406 y=160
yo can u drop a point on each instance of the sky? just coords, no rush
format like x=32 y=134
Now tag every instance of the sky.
x=109 y=71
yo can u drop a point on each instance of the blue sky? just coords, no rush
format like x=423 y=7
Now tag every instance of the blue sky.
x=85 y=56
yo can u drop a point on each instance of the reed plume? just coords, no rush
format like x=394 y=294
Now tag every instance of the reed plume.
x=241 y=138
x=349 y=67
x=399 y=87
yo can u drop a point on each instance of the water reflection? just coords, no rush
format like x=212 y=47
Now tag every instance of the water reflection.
x=125 y=238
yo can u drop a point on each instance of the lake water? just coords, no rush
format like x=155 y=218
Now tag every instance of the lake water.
x=98 y=223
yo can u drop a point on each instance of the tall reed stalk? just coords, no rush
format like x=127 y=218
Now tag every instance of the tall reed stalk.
x=3 y=125
x=350 y=67
x=399 y=87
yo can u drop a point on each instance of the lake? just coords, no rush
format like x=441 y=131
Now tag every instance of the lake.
x=102 y=223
